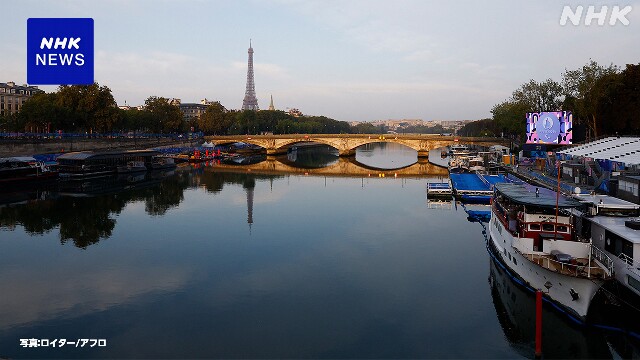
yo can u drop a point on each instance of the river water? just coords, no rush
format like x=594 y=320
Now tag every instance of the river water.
x=219 y=261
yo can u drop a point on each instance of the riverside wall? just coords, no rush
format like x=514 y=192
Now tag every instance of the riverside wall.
x=28 y=147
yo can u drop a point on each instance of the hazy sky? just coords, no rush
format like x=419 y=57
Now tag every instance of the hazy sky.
x=349 y=60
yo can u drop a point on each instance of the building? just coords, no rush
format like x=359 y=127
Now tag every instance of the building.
x=295 y=112
x=12 y=96
x=192 y=110
x=271 y=107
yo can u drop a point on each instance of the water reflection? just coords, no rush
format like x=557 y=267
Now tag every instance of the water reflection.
x=376 y=155
x=312 y=157
x=515 y=309
x=214 y=261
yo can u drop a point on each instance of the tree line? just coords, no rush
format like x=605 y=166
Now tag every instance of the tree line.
x=93 y=109
x=603 y=100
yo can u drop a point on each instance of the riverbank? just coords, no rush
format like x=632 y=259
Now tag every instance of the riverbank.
x=29 y=147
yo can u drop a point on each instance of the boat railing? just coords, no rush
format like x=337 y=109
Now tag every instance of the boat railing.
x=605 y=261
x=576 y=270
x=631 y=264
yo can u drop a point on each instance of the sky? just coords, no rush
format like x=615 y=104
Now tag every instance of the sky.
x=352 y=60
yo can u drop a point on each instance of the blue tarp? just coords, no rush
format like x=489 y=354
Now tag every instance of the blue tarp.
x=470 y=182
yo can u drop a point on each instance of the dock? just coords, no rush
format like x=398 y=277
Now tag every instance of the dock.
x=439 y=189
x=475 y=188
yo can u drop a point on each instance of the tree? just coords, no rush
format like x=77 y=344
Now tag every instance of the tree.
x=585 y=91
x=91 y=107
x=509 y=117
x=484 y=127
x=212 y=121
x=166 y=117
x=539 y=96
x=619 y=104
x=40 y=113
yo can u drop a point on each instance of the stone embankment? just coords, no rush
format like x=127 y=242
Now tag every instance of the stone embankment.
x=28 y=147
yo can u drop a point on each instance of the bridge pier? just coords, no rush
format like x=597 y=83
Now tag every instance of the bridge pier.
x=347 y=153
x=275 y=152
x=423 y=153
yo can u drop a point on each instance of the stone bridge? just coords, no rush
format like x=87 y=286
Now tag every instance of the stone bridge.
x=343 y=167
x=346 y=144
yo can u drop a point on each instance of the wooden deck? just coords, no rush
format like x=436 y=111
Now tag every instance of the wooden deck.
x=579 y=268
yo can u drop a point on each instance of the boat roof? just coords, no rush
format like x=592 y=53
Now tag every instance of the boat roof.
x=525 y=196
x=18 y=158
x=616 y=225
x=605 y=201
x=83 y=155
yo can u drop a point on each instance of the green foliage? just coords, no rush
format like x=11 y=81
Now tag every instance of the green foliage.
x=509 y=118
x=484 y=127
x=165 y=117
x=366 y=128
x=539 y=96
x=214 y=120
x=619 y=106
x=586 y=87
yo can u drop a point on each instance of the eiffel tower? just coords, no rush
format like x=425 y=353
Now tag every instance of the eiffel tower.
x=250 y=101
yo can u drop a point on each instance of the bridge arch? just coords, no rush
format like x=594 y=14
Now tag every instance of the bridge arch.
x=347 y=143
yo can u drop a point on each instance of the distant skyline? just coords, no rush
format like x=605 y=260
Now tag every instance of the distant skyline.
x=352 y=60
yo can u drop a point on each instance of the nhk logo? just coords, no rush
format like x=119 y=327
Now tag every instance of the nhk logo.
x=60 y=51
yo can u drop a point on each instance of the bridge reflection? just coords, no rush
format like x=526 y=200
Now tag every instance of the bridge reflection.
x=341 y=167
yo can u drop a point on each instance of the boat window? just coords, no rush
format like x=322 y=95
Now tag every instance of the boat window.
x=535 y=227
x=617 y=245
x=563 y=228
x=547 y=227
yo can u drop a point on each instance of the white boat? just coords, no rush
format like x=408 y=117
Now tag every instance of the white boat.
x=132 y=166
x=542 y=249
x=613 y=226
x=460 y=150
x=476 y=163
x=458 y=165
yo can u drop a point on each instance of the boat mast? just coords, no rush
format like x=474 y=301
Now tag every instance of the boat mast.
x=555 y=235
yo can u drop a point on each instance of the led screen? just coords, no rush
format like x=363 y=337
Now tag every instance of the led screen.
x=552 y=127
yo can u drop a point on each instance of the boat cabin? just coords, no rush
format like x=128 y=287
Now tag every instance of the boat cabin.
x=613 y=225
x=531 y=213
x=89 y=163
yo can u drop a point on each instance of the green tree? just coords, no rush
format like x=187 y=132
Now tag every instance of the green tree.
x=39 y=113
x=166 y=117
x=619 y=104
x=509 y=117
x=540 y=96
x=214 y=119
x=484 y=127
x=584 y=91
x=88 y=107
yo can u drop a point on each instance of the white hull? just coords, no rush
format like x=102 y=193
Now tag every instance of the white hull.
x=537 y=276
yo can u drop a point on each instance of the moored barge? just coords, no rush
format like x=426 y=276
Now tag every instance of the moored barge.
x=541 y=248
x=85 y=164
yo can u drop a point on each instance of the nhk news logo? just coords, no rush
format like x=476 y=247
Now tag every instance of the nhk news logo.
x=60 y=51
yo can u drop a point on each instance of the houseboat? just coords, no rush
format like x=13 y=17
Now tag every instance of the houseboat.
x=24 y=168
x=460 y=150
x=132 y=166
x=613 y=226
x=86 y=164
x=541 y=248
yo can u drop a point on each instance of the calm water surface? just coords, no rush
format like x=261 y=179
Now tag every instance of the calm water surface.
x=212 y=262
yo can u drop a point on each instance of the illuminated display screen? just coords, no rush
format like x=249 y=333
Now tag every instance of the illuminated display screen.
x=549 y=127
